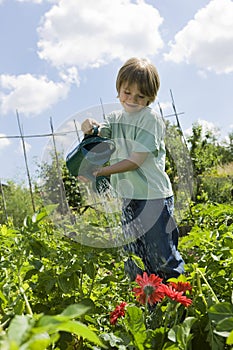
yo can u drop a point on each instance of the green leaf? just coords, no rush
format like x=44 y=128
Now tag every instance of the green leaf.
x=37 y=217
x=2 y=297
x=180 y=334
x=172 y=335
x=220 y=311
x=47 y=322
x=138 y=261
x=18 y=327
x=134 y=322
x=81 y=330
x=57 y=323
x=230 y=339
x=19 y=307
x=89 y=269
x=215 y=342
x=75 y=310
x=112 y=339
x=11 y=346
x=65 y=282
x=225 y=325
x=37 y=342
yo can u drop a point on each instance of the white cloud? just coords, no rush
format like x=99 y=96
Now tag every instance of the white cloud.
x=70 y=75
x=29 y=94
x=206 y=127
x=92 y=33
x=207 y=40
x=36 y=1
x=4 y=142
x=32 y=1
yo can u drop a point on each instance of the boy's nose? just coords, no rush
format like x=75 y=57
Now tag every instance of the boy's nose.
x=133 y=98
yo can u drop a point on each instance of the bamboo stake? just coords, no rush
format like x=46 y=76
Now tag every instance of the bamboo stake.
x=185 y=149
x=3 y=200
x=26 y=162
x=177 y=119
x=76 y=129
x=64 y=206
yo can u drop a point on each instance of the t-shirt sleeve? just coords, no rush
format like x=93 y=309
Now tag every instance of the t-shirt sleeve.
x=105 y=128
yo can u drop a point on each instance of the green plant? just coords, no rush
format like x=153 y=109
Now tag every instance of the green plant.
x=18 y=203
x=41 y=332
x=44 y=273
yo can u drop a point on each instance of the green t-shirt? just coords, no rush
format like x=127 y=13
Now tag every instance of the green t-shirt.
x=141 y=131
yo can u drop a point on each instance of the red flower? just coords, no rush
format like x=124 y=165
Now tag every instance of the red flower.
x=118 y=312
x=173 y=294
x=181 y=286
x=150 y=289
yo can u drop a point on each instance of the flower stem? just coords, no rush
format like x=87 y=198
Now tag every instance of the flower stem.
x=28 y=307
x=146 y=310
x=207 y=283
x=176 y=313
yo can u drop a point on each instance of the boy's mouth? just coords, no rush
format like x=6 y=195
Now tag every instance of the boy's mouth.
x=132 y=105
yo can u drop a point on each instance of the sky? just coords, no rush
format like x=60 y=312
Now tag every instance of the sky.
x=60 y=58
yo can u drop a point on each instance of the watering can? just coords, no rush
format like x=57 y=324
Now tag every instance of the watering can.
x=92 y=152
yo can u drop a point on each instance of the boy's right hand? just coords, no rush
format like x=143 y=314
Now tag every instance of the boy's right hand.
x=88 y=124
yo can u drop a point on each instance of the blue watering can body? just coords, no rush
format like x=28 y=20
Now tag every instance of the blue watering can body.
x=93 y=152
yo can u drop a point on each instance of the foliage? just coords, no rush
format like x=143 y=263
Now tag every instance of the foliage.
x=72 y=190
x=203 y=150
x=57 y=186
x=44 y=272
x=40 y=332
x=215 y=188
x=227 y=150
x=60 y=294
x=16 y=203
x=208 y=251
x=193 y=165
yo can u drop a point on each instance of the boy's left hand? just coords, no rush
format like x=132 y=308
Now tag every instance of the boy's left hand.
x=83 y=179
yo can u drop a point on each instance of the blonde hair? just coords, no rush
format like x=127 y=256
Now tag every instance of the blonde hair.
x=141 y=72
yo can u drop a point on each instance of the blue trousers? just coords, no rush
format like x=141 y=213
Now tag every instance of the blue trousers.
x=152 y=234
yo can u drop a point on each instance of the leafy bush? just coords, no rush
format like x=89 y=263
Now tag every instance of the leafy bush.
x=18 y=203
x=60 y=294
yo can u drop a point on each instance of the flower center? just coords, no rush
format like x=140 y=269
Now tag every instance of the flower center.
x=148 y=290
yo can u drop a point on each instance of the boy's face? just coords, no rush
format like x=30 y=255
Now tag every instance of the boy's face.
x=132 y=99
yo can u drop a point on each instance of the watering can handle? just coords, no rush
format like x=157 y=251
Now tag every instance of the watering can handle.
x=95 y=130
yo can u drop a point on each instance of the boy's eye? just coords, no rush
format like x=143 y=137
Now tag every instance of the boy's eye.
x=127 y=92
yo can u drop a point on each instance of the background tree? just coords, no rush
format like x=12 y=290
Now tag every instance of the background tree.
x=194 y=166
x=18 y=203
x=204 y=150
x=208 y=155
x=57 y=186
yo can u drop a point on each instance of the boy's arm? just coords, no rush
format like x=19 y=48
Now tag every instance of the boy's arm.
x=132 y=163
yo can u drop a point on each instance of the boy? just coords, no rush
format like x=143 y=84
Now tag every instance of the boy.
x=137 y=170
